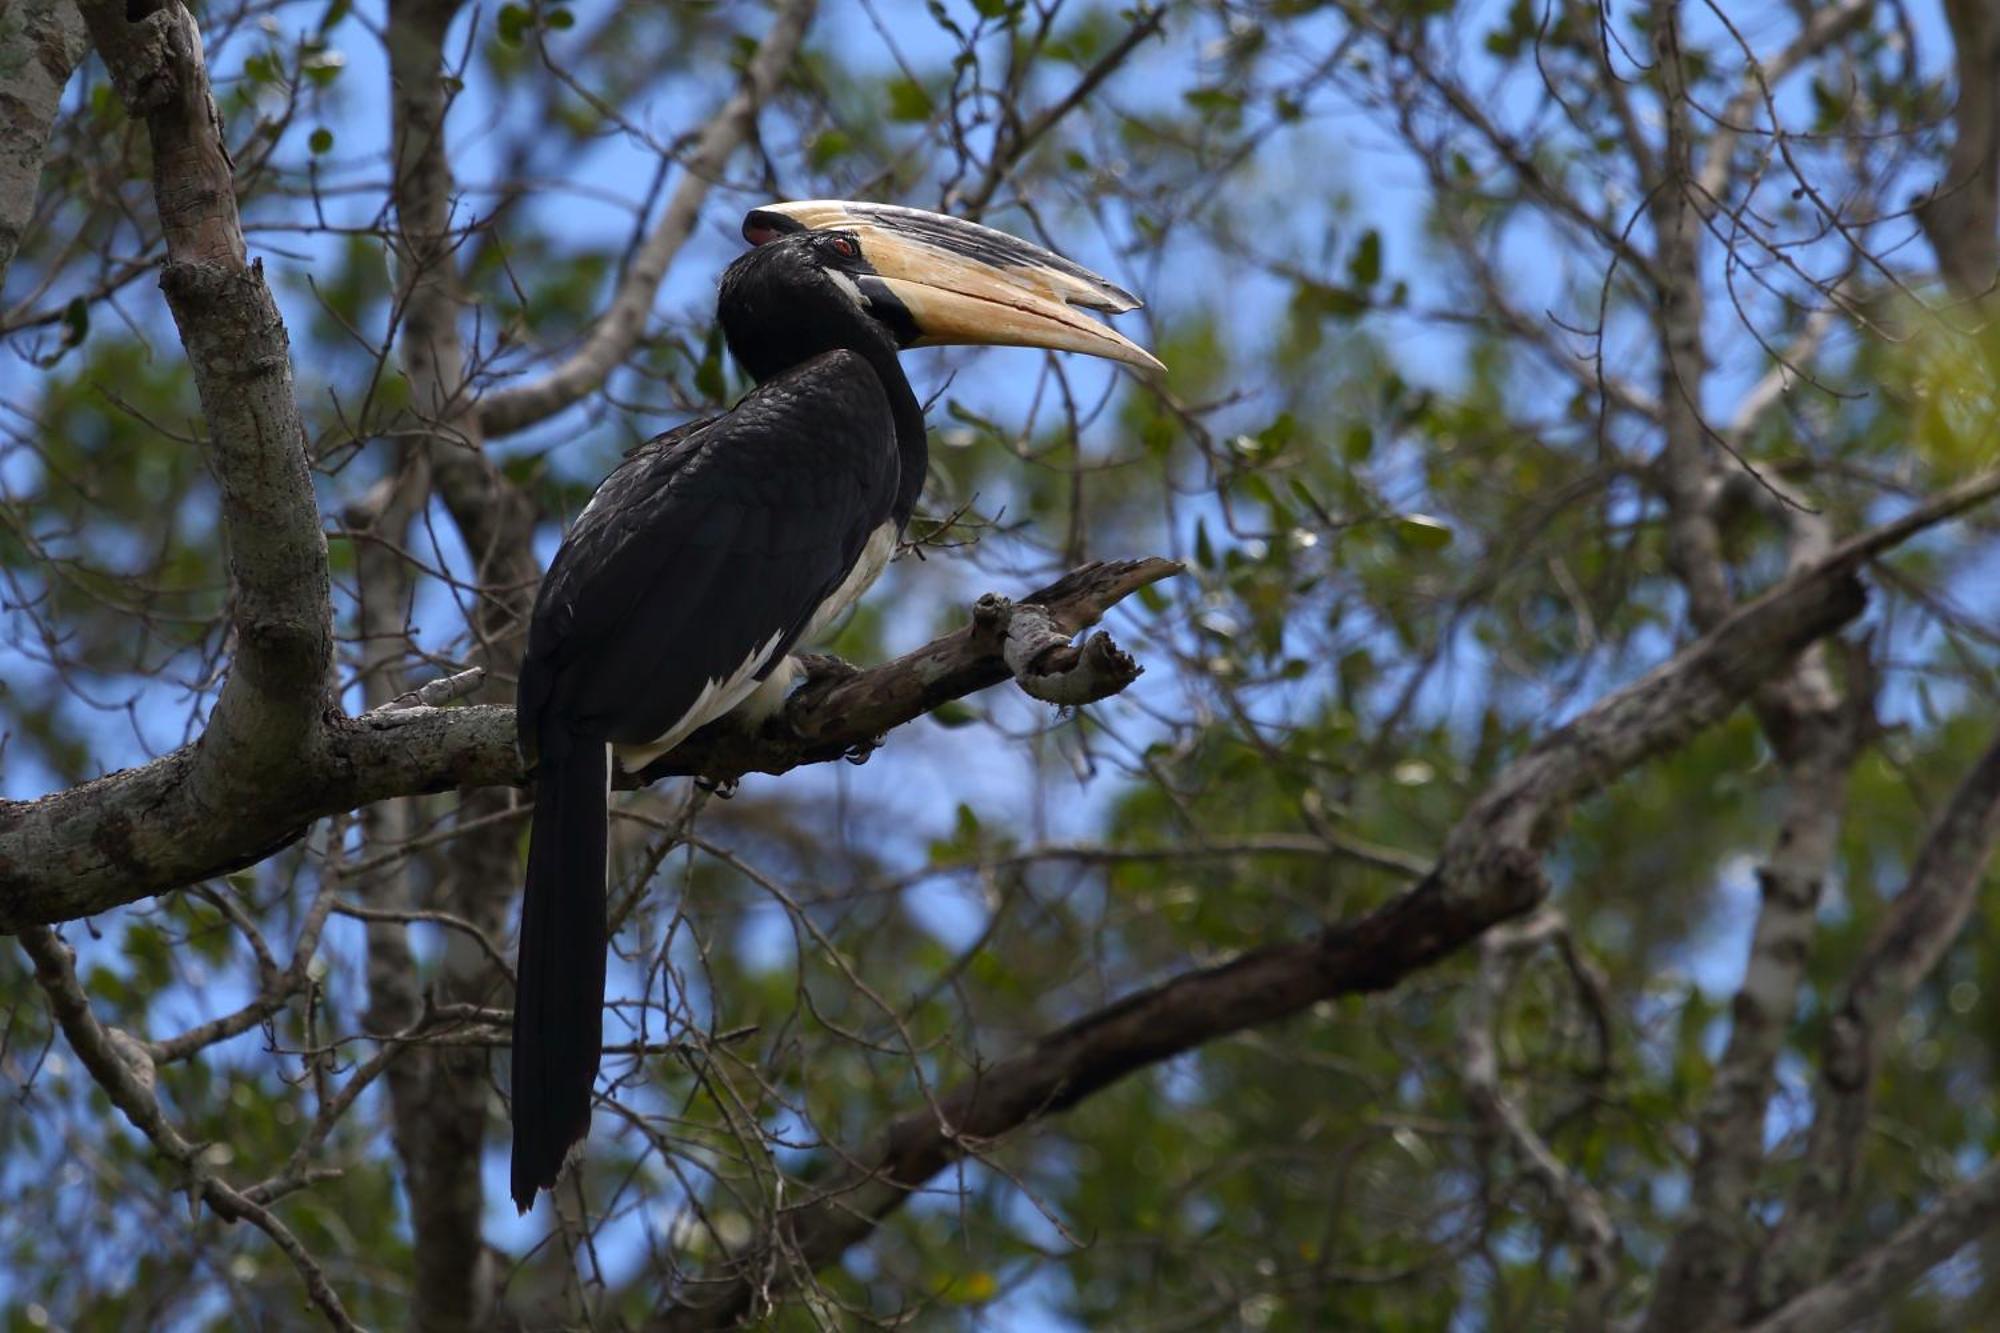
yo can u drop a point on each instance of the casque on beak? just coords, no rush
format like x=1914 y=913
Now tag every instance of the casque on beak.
x=967 y=284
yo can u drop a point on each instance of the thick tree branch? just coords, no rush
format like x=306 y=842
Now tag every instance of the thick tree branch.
x=128 y=836
x=825 y=723
x=1962 y=216
x=132 y=834
x=41 y=41
x=267 y=726
x=617 y=330
x=270 y=706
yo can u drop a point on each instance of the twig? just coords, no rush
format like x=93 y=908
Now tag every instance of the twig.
x=121 y=1067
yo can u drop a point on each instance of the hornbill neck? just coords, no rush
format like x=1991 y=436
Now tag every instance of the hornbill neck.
x=767 y=343
x=913 y=450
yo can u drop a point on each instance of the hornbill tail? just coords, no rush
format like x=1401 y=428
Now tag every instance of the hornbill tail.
x=559 y=992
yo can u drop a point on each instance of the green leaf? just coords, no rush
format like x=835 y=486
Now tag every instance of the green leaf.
x=1284 y=428
x=1421 y=532
x=76 y=322
x=708 y=380
x=908 y=101
x=1321 y=300
x=828 y=146
x=1204 y=554
x=560 y=19
x=954 y=714
x=1364 y=267
x=514 y=24
x=321 y=141
x=1213 y=101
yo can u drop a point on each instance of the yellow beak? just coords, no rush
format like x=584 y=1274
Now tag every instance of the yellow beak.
x=967 y=284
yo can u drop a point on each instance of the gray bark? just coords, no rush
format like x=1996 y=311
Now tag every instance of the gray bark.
x=41 y=42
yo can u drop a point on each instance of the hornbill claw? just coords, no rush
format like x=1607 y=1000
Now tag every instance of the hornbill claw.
x=859 y=752
x=826 y=669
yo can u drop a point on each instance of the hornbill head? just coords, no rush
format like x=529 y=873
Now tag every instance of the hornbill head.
x=932 y=280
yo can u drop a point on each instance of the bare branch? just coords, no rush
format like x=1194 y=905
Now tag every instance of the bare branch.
x=1043 y=661
x=617 y=330
x=1823 y=26
x=1016 y=144
x=1960 y=1216
x=1923 y=920
x=826 y=723
x=121 y=1066
x=1588 y=1222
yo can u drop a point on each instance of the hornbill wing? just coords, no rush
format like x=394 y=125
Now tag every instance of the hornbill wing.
x=697 y=560
x=710 y=549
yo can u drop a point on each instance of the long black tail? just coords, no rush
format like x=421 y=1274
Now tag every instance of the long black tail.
x=559 y=1001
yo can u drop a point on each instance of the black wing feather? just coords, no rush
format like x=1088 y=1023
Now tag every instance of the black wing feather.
x=694 y=553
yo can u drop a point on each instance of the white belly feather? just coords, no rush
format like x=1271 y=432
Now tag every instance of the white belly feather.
x=758 y=699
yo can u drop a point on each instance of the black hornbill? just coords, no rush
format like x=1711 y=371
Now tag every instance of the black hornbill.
x=711 y=551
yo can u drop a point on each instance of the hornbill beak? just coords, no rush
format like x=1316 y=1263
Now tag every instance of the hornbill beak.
x=968 y=284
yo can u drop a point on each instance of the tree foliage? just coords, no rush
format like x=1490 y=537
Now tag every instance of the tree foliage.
x=1526 y=887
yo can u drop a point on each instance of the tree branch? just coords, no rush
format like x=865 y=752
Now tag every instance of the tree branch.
x=239 y=782
x=1961 y=217
x=1923 y=921
x=41 y=42
x=617 y=330
x=121 y=1066
x=1015 y=144
x=135 y=833
x=1584 y=1216
x=1821 y=28
x=129 y=835
x=1959 y=1216
x=1489 y=871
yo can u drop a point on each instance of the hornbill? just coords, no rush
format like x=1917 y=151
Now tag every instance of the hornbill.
x=713 y=550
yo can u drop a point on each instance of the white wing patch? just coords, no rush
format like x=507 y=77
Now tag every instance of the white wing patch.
x=874 y=559
x=716 y=698
x=741 y=688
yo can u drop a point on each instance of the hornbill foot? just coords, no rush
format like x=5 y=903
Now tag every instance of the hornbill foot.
x=722 y=789
x=859 y=752
x=825 y=669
